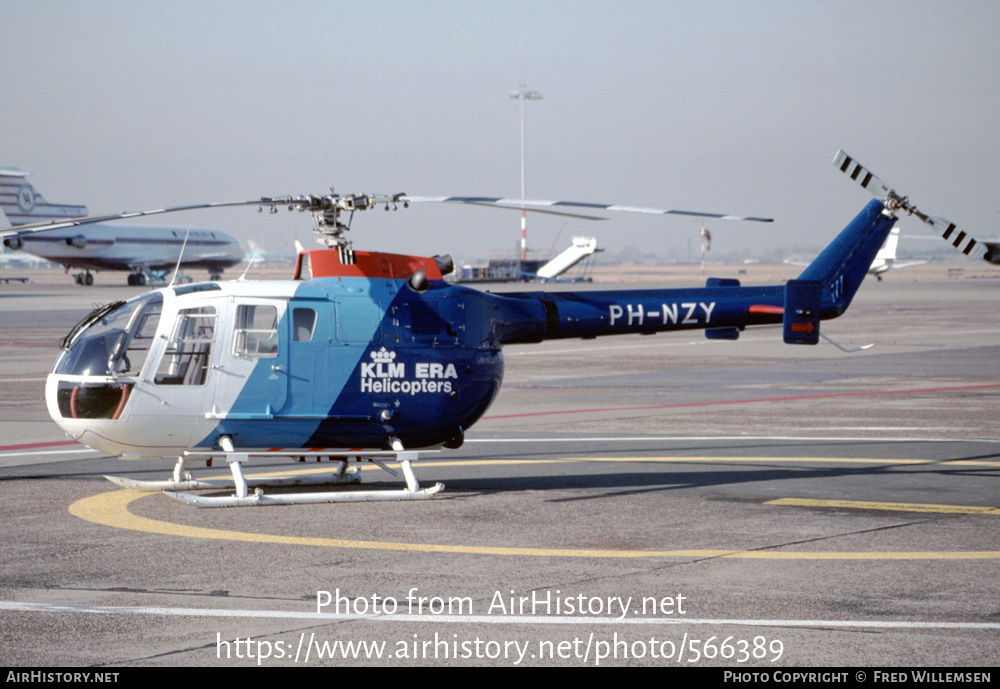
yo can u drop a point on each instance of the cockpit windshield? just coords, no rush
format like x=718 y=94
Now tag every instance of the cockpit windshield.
x=112 y=340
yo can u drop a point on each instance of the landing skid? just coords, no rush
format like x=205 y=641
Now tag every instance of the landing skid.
x=345 y=476
x=182 y=480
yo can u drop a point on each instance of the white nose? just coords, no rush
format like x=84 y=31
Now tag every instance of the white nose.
x=86 y=411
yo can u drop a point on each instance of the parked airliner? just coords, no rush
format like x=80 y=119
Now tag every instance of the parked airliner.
x=146 y=252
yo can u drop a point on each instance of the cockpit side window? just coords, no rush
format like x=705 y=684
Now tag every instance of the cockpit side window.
x=256 y=333
x=186 y=358
x=112 y=341
x=142 y=328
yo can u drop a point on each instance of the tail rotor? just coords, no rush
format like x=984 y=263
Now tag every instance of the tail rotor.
x=894 y=202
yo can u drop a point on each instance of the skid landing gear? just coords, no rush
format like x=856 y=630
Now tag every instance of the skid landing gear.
x=182 y=481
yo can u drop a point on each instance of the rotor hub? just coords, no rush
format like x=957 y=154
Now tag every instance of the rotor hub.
x=327 y=210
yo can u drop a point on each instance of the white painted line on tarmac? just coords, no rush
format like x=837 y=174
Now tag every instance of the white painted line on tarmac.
x=45 y=452
x=482 y=619
x=687 y=438
x=9 y=460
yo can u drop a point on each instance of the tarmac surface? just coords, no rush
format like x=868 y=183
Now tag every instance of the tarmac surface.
x=663 y=500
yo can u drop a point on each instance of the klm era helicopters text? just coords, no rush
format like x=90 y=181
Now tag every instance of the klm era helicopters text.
x=371 y=356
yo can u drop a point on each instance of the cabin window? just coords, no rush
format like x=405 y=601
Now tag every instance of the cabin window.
x=186 y=359
x=303 y=324
x=256 y=334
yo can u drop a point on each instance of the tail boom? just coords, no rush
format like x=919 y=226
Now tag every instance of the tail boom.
x=722 y=308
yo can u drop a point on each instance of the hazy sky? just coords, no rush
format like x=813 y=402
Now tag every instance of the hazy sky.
x=718 y=106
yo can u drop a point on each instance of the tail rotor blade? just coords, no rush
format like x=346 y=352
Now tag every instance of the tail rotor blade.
x=954 y=236
x=862 y=175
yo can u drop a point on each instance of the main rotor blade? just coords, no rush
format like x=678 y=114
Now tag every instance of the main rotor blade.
x=491 y=203
x=547 y=206
x=332 y=201
x=94 y=219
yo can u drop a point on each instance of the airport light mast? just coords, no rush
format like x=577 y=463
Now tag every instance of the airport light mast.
x=522 y=95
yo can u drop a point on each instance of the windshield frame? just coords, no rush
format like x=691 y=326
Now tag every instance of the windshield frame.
x=98 y=345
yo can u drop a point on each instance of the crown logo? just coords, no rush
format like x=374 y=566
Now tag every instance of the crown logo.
x=383 y=356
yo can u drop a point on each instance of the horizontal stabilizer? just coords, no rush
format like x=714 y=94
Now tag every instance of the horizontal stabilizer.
x=722 y=333
x=803 y=300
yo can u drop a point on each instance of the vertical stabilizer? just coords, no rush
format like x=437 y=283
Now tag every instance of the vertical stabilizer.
x=23 y=205
x=842 y=266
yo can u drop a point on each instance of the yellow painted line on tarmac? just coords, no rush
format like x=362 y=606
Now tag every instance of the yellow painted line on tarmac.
x=685 y=460
x=895 y=506
x=112 y=509
x=797 y=460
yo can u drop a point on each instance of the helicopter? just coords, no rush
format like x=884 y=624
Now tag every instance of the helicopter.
x=368 y=356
